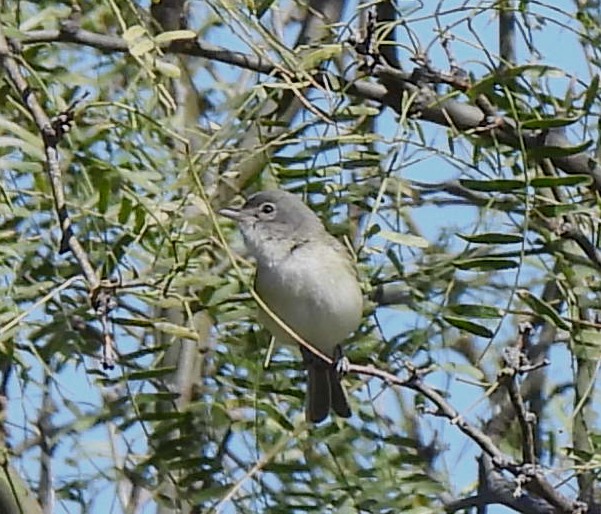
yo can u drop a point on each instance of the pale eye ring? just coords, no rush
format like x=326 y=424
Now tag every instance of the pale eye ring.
x=267 y=208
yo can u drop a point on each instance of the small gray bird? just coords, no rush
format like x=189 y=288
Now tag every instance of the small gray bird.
x=308 y=279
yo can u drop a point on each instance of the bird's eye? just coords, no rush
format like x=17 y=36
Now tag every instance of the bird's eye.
x=267 y=208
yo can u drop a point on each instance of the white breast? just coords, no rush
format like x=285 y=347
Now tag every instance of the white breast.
x=315 y=291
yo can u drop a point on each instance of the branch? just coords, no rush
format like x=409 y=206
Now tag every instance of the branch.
x=46 y=490
x=445 y=112
x=51 y=132
x=507 y=39
x=530 y=477
x=15 y=496
x=569 y=231
x=516 y=363
x=50 y=137
x=169 y=14
x=495 y=488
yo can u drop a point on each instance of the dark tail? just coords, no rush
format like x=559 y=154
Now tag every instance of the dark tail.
x=324 y=390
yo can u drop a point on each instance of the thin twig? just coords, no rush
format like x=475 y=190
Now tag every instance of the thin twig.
x=50 y=139
x=536 y=482
x=441 y=111
x=509 y=378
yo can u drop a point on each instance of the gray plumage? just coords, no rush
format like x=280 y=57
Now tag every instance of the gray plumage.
x=308 y=279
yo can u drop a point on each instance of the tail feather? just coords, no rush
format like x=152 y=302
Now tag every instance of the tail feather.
x=319 y=396
x=324 y=390
x=338 y=395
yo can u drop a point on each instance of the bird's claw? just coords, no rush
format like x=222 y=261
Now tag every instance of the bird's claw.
x=341 y=363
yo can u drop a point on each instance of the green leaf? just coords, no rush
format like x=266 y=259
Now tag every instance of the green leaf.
x=134 y=322
x=493 y=238
x=468 y=326
x=33 y=139
x=208 y=493
x=124 y=210
x=34 y=150
x=26 y=166
x=104 y=195
x=493 y=185
x=161 y=416
x=145 y=179
x=552 y=211
x=471 y=310
x=314 y=58
x=176 y=330
x=568 y=180
x=283 y=85
x=222 y=294
x=139 y=49
x=543 y=309
x=590 y=337
x=591 y=94
x=487 y=84
x=554 y=152
x=262 y=7
x=456 y=369
x=485 y=264
x=151 y=373
x=174 y=35
x=354 y=111
x=588 y=344
x=403 y=239
x=134 y=32
x=161 y=396
x=167 y=69
x=355 y=160
x=275 y=415
x=547 y=123
x=84 y=422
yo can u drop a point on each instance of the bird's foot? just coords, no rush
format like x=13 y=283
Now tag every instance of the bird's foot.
x=341 y=363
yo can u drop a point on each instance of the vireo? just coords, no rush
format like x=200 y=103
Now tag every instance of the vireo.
x=308 y=279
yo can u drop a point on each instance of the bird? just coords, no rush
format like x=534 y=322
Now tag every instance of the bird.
x=309 y=280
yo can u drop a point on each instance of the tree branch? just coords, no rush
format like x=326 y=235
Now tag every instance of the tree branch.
x=494 y=488
x=445 y=112
x=533 y=478
x=50 y=138
x=51 y=132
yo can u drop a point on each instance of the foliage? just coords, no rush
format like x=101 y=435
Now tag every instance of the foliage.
x=463 y=176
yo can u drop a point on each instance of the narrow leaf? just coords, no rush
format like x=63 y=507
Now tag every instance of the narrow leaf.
x=543 y=309
x=493 y=185
x=552 y=211
x=404 y=239
x=492 y=238
x=314 y=58
x=176 y=330
x=167 y=69
x=174 y=35
x=151 y=373
x=554 y=152
x=547 y=123
x=124 y=210
x=141 y=48
x=471 y=310
x=104 y=195
x=569 y=180
x=486 y=264
x=468 y=326
x=134 y=32
x=591 y=94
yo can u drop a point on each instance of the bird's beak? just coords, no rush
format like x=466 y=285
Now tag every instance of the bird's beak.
x=233 y=214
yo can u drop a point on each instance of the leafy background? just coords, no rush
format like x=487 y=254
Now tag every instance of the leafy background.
x=452 y=143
